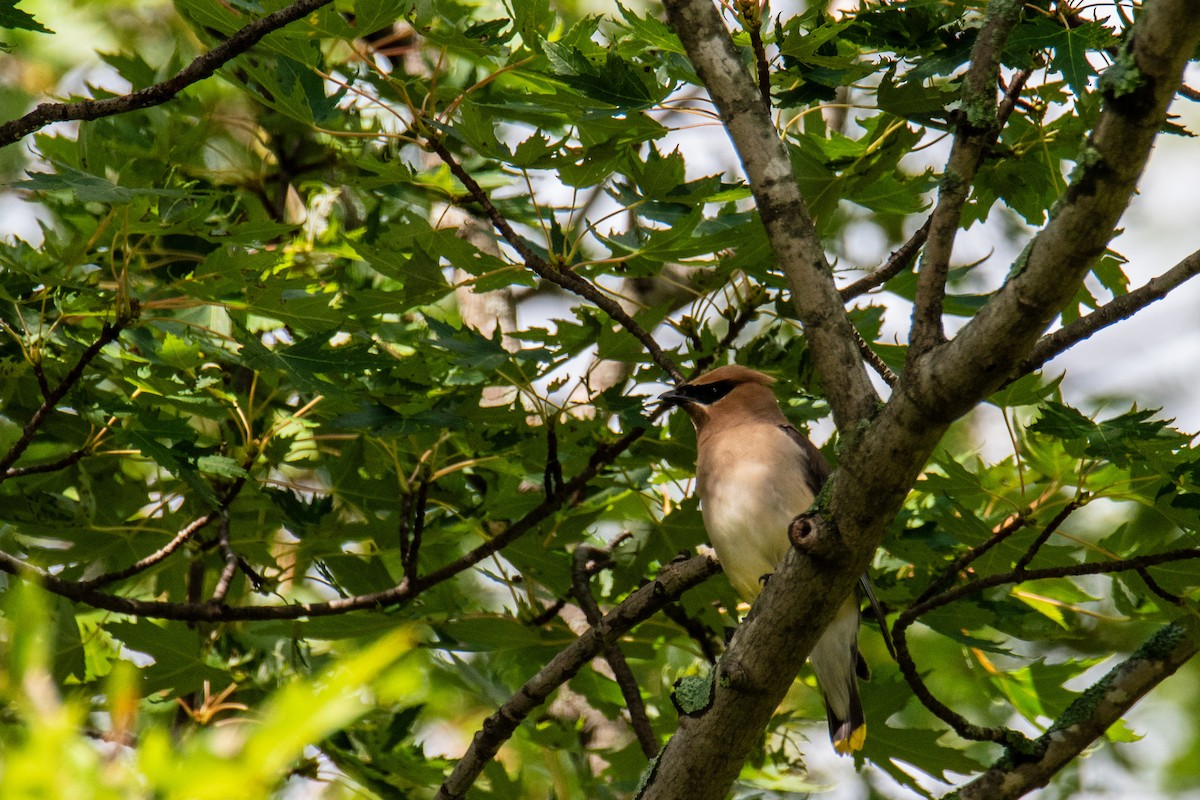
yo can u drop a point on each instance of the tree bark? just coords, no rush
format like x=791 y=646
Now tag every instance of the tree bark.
x=885 y=449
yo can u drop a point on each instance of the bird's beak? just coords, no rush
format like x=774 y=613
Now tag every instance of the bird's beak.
x=672 y=397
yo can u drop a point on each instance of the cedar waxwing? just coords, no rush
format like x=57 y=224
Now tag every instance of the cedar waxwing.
x=754 y=474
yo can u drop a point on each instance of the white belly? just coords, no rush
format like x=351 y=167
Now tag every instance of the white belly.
x=748 y=506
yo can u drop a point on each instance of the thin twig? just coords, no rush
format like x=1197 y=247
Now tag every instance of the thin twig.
x=751 y=13
x=1114 y=311
x=68 y=460
x=897 y=262
x=555 y=274
x=674 y=580
x=412 y=548
x=552 y=476
x=586 y=562
x=948 y=576
x=40 y=374
x=108 y=333
x=1157 y=588
x=762 y=69
x=200 y=68
x=185 y=534
x=961 y=725
x=231 y=562
x=548 y=613
x=874 y=361
x=405 y=591
x=736 y=326
x=404 y=524
x=1053 y=525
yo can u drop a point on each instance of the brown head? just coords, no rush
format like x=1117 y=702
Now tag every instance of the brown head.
x=727 y=397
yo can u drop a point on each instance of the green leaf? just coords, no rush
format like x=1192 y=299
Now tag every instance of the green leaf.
x=175 y=459
x=88 y=188
x=1069 y=46
x=14 y=18
x=609 y=79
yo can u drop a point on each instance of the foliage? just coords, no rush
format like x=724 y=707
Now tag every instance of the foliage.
x=293 y=482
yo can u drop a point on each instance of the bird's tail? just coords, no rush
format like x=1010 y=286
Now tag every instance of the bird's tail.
x=838 y=665
x=850 y=734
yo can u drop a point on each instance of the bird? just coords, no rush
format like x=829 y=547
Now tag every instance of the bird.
x=755 y=473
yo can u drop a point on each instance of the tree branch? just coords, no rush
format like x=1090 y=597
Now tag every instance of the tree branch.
x=874 y=361
x=557 y=275
x=108 y=333
x=783 y=212
x=1010 y=526
x=1049 y=530
x=202 y=67
x=225 y=580
x=908 y=667
x=586 y=561
x=944 y=384
x=897 y=262
x=413 y=527
x=70 y=459
x=1110 y=313
x=184 y=535
x=1087 y=718
x=737 y=324
x=673 y=581
x=406 y=590
x=978 y=124
x=750 y=12
x=881 y=459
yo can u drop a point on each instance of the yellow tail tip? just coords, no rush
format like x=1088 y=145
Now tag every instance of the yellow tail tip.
x=852 y=743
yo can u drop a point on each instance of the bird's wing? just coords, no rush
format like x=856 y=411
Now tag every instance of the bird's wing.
x=816 y=468
x=816 y=472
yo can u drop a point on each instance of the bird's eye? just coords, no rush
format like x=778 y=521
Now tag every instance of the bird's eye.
x=709 y=393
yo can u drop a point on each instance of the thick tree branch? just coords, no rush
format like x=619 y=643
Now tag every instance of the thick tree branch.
x=881 y=460
x=978 y=124
x=557 y=275
x=946 y=382
x=1086 y=719
x=783 y=212
x=705 y=755
x=202 y=67
x=1110 y=313
x=673 y=581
